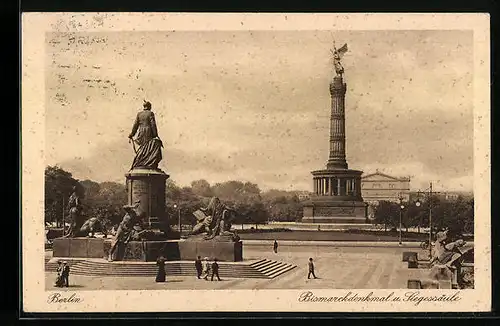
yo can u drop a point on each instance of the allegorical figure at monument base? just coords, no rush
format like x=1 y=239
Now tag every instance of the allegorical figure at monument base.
x=130 y=228
x=214 y=220
x=148 y=154
x=93 y=225
x=75 y=214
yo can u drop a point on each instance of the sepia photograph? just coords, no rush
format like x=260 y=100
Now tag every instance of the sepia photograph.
x=343 y=165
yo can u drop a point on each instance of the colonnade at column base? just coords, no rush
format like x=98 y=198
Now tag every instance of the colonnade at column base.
x=332 y=209
x=333 y=220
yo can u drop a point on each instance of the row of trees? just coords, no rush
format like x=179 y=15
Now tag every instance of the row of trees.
x=103 y=199
x=253 y=206
x=457 y=214
x=106 y=199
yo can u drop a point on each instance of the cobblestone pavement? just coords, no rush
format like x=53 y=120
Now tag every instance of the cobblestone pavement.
x=337 y=268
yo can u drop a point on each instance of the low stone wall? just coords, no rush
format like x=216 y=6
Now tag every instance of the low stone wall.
x=172 y=250
x=309 y=226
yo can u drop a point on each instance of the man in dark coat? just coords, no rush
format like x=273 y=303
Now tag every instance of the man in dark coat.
x=275 y=247
x=311 y=269
x=215 y=270
x=198 y=266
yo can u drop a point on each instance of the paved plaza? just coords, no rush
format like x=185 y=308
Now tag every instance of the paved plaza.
x=335 y=267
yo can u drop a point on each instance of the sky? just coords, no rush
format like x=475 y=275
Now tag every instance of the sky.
x=255 y=105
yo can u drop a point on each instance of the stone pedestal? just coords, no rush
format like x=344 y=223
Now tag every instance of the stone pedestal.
x=175 y=250
x=78 y=247
x=332 y=210
x=172 y=250
x=148 y=186
x=222 y=250
x=146 y=250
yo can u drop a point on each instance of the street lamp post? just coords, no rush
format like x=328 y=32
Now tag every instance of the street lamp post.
x=179 y=225
x=429 y=194
x=401 y=206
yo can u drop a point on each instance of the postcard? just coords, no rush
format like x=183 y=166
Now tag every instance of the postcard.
x=201 y=162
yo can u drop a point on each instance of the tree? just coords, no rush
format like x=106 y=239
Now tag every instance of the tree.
x=172 y=191
x=185 y=202
x=104 y=200
x=415 y=216
x=387 y=213
x=252 y=213
x=58 y=187
x=244 y=197
x=201 y=188
x=456 y=215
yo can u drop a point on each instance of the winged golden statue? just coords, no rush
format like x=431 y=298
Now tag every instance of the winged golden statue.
x=337 y=55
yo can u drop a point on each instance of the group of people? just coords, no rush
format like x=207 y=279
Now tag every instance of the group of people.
x=204 y=268
x=62 y=279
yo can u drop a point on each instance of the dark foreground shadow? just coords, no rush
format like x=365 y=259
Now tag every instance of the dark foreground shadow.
x=222 y=280
x=71 y=286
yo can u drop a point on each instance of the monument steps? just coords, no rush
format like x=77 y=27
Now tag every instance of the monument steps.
x=51 y=266
x=281 y=270
x=261 y=269
x=272 y=268
x=263 y=263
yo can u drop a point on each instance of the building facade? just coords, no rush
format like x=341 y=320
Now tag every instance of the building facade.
x=378 y=186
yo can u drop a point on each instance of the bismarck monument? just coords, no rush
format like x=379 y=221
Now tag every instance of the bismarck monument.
x=144 y=233
x=337 y=189
x=145 y=181
x=144 y=229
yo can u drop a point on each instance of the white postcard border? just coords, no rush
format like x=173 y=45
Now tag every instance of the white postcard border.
x=34 y=27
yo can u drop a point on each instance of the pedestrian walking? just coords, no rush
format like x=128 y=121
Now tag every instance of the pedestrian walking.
x=65 y=274
x=198 y=266
x=206 y=269
x=215 y=270
x=161 y=275
x=275 y=247
x=311 y=269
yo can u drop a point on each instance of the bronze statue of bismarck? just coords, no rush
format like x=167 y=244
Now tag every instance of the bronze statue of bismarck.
x=148 y=155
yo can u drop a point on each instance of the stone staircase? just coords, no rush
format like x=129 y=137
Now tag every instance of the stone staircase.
x=271 y=268
x=264 y=268
x=51 y=264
